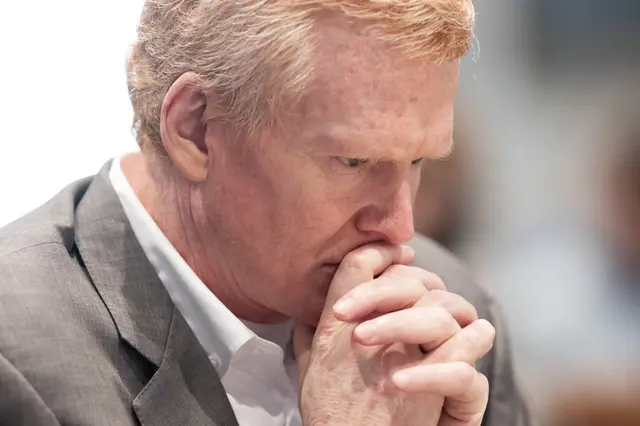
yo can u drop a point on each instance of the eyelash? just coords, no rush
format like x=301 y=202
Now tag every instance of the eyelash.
x=346 y=161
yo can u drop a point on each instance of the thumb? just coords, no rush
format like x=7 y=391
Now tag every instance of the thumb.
x=302 y=341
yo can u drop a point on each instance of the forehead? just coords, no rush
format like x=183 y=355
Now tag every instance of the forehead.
x=369 y=96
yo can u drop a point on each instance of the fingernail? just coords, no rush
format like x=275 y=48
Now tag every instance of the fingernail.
x=402 y=379
x=365 y=332
x=343 y=306
x=408 y=251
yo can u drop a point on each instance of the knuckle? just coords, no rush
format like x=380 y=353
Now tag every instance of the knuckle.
x=473 y=311
x=433 y=281
x=406 y=286
x=473 y=340
x=405 y=271
x=443 y=318
x=356 y=260
x=415 y=284
x=369 y=290
x=465 y=375
x=439 y=295
x=406 y=276
x=480 y=337
x=396 y=269
x=455 y=300
x=446 y=299
x=427 y=279
x=381 y=287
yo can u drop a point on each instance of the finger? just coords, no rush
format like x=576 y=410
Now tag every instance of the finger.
x=468 y=408
x=432 y=321
x=384 y=294
x=430 y=280
x=426 y=326
x=466 y=390
x=463 y=311
x=400 y=286
x=302 y=341
x=470 y=344
x=363 y=264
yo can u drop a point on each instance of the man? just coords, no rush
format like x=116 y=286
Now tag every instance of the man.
x=281 y=148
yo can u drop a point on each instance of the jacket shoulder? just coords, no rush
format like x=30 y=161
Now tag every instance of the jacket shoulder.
x=457 y=277
x=57 y=337
x=51 y=223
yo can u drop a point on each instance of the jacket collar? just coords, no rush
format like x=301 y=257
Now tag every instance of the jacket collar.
x=185 y=388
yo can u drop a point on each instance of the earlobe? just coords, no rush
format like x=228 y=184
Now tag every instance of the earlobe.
x=183 y=129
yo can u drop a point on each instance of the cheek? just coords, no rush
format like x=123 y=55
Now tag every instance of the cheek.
x=317 y=212
x=288 y=202
x=242 y=202
x=306 y=194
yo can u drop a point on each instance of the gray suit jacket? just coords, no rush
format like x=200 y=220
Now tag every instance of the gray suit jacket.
x=89 y=336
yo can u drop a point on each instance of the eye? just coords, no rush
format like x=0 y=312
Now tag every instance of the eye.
x=351 y=162
x=417 y=161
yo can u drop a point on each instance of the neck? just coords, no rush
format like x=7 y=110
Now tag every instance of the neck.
x=168 y=204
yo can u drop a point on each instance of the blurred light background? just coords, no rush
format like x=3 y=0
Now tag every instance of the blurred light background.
x=541 y=197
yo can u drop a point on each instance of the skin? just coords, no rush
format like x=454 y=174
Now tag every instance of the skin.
x=308 y=223
x=266 y=223
x=361 y=371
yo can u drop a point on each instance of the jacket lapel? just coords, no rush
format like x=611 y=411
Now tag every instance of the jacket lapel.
x=185 y=389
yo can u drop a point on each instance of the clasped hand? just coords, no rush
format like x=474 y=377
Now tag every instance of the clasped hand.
x=392 y=348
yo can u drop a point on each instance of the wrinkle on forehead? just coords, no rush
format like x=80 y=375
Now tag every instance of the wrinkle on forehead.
x=368 y=96
x=377 y=144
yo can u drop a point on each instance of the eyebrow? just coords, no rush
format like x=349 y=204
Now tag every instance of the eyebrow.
x=335 y=139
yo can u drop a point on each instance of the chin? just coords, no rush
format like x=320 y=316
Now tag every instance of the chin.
x=310 y=318
x=315 y=301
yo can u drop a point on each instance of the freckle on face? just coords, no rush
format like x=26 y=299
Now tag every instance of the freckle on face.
x=303 y=208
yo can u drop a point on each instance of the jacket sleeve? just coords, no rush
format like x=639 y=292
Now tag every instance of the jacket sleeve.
x=20 y=404
x=507 y=404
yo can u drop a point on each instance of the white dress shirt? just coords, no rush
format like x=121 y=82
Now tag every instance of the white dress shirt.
x=254 y=361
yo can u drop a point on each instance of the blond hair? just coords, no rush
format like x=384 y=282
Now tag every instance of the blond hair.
x=257 y=54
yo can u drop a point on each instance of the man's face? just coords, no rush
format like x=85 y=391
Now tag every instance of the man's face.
x=342 y=172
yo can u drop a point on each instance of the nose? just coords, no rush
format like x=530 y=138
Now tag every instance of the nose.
x=390 y=218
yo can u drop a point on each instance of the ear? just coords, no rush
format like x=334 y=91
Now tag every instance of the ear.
x=183 y=127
